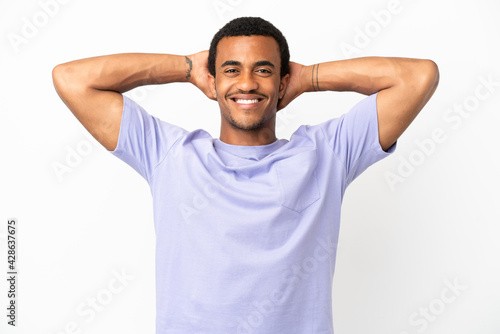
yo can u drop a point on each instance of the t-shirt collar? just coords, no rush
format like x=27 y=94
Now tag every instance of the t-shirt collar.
x=254 y=152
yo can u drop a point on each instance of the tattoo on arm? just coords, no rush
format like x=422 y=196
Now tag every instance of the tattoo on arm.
x=190 y=63
x=314 y=78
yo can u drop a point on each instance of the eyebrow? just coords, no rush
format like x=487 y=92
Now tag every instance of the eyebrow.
x=237 y=63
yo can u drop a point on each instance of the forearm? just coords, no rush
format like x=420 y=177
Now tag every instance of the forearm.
x=92 y=87
x=365 y=75
x=122 y=72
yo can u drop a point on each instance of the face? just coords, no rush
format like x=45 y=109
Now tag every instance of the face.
x=247 y=82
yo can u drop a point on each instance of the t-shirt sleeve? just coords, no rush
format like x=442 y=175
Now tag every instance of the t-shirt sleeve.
x=354 y=138
x=144 y=140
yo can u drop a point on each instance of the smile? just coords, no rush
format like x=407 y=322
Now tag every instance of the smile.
x=247 y=101
x=242 y=101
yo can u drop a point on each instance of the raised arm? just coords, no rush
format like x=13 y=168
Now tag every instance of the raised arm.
x=92 y=87
x=404 y=86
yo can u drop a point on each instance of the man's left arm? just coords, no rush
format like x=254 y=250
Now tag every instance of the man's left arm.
x=404 y=86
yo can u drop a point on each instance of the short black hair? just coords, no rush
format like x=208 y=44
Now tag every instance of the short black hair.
x=250 y=26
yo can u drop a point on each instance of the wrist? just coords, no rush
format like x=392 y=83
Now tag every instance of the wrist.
x=188 y=64
x=309 y=78
x=313 y=78
x=168 y=69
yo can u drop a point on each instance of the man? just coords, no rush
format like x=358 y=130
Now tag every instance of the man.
x=247 y=224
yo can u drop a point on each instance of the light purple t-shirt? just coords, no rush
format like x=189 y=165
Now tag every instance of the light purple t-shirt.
x=246 y=236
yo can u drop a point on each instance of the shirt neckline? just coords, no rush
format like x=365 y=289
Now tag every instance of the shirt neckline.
x=254 y=152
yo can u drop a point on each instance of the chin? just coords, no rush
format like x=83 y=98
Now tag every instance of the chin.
x=248 y=126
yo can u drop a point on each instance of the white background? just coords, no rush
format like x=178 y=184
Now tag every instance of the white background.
x=399 y=243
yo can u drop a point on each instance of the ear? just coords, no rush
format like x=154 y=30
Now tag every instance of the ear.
x=283 y=85
x=211 y=86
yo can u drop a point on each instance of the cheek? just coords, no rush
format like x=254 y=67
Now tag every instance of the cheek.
x=275 y=91
x=220 y=88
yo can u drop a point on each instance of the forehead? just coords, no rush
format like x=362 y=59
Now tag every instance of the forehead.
x=248 y=49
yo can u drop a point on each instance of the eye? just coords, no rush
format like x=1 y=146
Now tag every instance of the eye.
x=263 y=70
x=231 y=70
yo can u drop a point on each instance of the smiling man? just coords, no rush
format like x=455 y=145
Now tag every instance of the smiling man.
x=246 y=224
x=247 y=81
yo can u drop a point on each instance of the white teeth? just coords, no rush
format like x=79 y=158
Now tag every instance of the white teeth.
x=246 y=101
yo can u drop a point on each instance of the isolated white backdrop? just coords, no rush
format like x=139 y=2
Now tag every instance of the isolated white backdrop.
x=418 y=254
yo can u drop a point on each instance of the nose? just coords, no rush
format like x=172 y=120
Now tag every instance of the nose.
x=246 y=81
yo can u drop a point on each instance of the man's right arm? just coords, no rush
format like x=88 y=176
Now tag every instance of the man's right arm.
x=91 y=88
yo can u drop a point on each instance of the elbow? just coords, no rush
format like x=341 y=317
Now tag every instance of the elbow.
x=65 y=79
x=428 y=75
x=432 y=71
x=59 y=77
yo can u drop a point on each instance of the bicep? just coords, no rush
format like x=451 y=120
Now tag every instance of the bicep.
x=98 y=111
x=398 y=105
